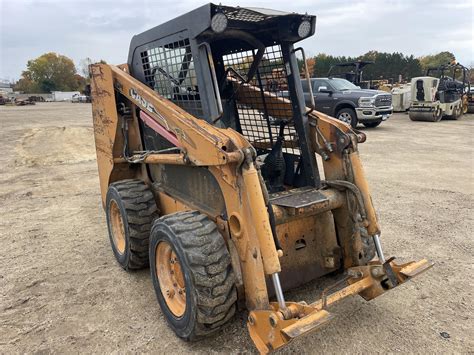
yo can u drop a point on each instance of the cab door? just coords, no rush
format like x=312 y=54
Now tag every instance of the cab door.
x=323 y=96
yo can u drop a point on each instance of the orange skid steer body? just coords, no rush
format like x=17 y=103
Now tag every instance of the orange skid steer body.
x=218 y=174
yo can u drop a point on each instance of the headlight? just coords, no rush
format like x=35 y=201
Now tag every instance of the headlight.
x=366 y=102
x=304 y=28
x=219 y=22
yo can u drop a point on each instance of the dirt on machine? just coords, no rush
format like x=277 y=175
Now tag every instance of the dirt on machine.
x=231 y=193
x=442 y=93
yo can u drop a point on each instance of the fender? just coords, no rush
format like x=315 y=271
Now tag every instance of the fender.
x=344 y=102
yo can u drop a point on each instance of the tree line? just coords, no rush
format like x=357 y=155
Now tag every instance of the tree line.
x=387 y=66
x=56 y=72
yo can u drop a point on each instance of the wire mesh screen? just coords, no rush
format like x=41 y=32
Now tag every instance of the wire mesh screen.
x=242 y=14
x=169 y=70
x=262 y=104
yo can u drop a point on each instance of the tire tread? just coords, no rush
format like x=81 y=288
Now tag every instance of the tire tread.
x=141 y=210
x=210 y=266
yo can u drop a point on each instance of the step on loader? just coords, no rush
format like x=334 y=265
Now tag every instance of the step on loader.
x=231 y=193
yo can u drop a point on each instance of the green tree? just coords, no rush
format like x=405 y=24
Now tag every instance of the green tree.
x=387 y=65
x=50 y=72
x=323 y=62
x=434 y=61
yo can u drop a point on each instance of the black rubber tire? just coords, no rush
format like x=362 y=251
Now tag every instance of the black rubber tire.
x=371 y=124
x=352 y=113
x=458 y=113
x=206 y=264
x=138 y=210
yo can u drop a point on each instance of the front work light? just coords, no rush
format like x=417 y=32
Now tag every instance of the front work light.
x=219 y=22
x=304 y=28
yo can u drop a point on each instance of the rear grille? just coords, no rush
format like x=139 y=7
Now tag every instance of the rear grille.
x=383 y=100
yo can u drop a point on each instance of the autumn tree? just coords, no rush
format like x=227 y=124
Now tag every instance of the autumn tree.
x=26 y=84
x=436 y=60
x=50 y=72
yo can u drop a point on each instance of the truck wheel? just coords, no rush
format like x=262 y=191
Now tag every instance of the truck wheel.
x=192 y=274
x=371 y=124
x=130 y=211
x=348 y=116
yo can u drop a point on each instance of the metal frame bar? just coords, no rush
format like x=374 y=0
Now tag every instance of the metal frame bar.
x=300 y=119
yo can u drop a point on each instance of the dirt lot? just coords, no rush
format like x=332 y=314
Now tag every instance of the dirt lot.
x=62 y=291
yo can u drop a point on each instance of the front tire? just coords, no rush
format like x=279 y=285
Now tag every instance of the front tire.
x=348 y=116
x=192 y=274
x=130 y=211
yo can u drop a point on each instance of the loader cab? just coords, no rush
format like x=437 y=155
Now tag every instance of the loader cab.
x=231 y=66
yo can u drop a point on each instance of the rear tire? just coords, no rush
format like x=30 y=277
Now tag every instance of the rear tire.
x=458 y=113
x=207 y=282
x=348 y=116
x=130 y=211
x=371 y=124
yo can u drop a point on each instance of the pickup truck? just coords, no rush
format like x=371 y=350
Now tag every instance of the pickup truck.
x=349 y=103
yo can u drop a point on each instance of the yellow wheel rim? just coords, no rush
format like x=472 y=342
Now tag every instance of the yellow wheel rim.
x=171 y=278
x=118 y=228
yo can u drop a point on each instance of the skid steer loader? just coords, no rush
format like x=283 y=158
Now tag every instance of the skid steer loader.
x=231 y=193
x=440 y=94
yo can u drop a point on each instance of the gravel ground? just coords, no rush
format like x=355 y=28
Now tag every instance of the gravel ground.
x=62 y=291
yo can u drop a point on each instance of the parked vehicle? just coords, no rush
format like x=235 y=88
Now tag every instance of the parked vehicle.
x=470 y=100
x=349 y=103
x=440 y=94
x=80 y=98
x=401 y=97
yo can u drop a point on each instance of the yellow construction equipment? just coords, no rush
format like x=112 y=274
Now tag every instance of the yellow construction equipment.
x=229 y=189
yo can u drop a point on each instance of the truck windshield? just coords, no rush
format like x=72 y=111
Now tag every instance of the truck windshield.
x=342 y=84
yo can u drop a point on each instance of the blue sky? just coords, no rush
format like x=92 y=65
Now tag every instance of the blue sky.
x=103 y=29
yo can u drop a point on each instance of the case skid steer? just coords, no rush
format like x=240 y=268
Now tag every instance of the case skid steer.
x=442 y=93
x=231 y=193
